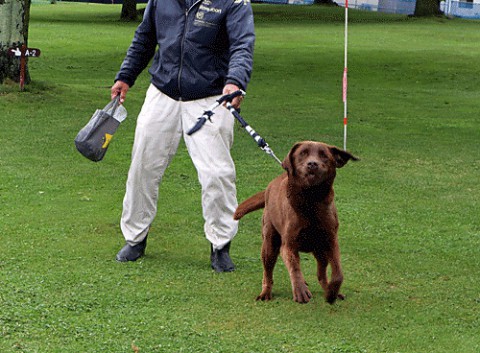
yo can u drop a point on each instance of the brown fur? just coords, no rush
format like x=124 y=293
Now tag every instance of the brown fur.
x=300 y=216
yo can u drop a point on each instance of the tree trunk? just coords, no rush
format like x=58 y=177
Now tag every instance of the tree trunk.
x=129 y=10
x=14 y=19
x=427 y=8
x=325 y=2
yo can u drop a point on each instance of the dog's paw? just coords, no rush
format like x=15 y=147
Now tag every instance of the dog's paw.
x=302 y=294
x=332 y=297
x=264 y=296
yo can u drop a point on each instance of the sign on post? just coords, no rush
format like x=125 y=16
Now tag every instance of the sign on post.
x=29 y=52
x=22 y=53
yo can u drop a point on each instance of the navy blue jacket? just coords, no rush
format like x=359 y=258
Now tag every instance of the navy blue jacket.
x=200 y=48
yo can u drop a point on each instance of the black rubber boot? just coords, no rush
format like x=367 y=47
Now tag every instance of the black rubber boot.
x=132 y=253
x=221 y=261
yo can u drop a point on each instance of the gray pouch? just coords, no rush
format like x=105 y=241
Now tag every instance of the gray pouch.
x=94 y=138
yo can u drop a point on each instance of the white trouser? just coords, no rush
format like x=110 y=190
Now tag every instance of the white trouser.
x=160 y=126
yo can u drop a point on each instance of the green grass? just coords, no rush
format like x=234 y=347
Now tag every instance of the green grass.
x=408 y=210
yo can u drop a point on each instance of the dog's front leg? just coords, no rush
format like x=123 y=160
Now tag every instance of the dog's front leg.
x=291 y=258
x=336 y=278
x=331 y=289
x=322 y=263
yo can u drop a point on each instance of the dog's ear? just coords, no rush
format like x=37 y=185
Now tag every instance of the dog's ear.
x=287 y=163
x=341 y=156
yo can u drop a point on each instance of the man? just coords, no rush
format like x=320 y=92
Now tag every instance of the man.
x=205 y=49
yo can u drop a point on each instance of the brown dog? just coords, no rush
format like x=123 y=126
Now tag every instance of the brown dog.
x=300 y=216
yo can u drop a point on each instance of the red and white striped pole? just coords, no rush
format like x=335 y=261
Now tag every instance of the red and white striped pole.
x=345 y=82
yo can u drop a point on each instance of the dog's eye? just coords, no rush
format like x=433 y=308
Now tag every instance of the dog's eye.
x=304 y=153
x=324 y=155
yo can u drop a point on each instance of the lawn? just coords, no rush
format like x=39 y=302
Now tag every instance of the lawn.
x=409 y=210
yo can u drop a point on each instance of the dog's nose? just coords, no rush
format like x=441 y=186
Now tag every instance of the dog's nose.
x=312 y=165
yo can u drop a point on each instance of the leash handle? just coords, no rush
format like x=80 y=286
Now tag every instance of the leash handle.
x=231 y=96
x=207 y=114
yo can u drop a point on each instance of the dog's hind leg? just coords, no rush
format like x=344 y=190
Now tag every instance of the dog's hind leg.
x=270 y=250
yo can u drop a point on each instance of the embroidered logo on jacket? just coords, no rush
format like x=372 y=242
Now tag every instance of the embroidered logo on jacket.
x=205 y=8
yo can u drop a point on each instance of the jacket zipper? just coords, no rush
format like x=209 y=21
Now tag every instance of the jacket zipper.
x=182 y=46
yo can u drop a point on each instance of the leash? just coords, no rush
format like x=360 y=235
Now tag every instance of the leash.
x=207 y=114
x=258 y=139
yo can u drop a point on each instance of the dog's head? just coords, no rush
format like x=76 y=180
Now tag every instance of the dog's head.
x=312 y=163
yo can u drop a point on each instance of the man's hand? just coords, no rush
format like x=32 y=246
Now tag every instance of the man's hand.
x=120 y=88
x=230 y=88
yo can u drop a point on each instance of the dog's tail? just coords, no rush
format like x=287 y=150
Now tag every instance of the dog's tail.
x=251 y=204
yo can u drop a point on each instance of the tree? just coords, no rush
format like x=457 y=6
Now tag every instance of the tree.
x=14 y=19
x=427 y=8
x=129 y=10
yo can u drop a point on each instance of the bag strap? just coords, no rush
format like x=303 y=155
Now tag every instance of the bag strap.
x=114 y=103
